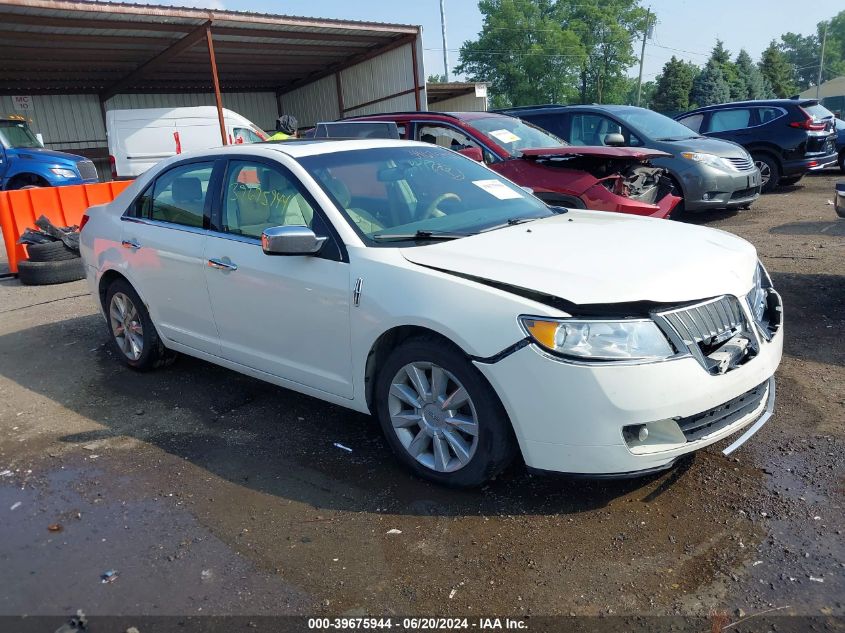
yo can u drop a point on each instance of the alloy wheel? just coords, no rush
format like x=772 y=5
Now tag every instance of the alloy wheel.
x=765 y=171
x=126 y=326
x=433 y=416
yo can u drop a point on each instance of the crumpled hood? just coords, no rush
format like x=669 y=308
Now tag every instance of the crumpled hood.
x=41 y=153
x=594 y=257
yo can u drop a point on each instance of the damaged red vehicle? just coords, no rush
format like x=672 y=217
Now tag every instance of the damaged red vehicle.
x=605 y=178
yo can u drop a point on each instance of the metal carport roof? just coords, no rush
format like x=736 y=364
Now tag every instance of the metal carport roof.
x=62 y=47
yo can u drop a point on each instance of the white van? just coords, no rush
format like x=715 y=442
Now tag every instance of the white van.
x=138 y=139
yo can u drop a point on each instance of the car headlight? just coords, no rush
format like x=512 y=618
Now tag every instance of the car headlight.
x=708 y=159
x=757 y=296
x=63 y=173
x=600 y=340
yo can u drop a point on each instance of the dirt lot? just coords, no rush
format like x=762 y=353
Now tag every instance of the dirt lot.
x=210 y=492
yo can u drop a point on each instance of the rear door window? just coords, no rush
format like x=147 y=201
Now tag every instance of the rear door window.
x=767 y=114
x=726 y=120
x=179 y=195
x=554 y=123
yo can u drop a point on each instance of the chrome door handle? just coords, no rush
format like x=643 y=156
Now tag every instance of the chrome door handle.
x=221 y=265
x=130 y=244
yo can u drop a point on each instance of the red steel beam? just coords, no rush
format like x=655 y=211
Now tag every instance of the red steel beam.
x=217 y=96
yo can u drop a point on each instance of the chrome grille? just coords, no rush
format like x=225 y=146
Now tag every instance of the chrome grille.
x=705 y=321
x=704 y=328
x=742 y=164
x=87 y=170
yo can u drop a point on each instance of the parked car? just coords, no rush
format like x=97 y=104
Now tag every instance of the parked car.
x=786 y=137
x=608 y=179
x=140 y=138
x=707 y=173
x=25 y=162
x=840 y=144
x=405 y=280
x=839 y=199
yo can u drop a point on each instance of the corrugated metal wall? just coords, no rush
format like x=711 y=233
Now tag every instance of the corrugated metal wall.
x=66 y=122
x=464 y=103
x=396 y=104
x=313 y=103
x=376 y=78
x=70 y=122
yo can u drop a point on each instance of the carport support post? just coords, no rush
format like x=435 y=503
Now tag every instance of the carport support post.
x=216 y=81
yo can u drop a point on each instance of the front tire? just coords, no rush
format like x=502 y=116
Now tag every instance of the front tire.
x=842 y=161
x=769 y=172
x=792 y=180
x=132 y=333
x=440 y=416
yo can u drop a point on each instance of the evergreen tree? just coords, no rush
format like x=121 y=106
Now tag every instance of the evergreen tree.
x=778 y=71
x=721 y=57
x=751 y=77
x=710 y=87
x=674 y=84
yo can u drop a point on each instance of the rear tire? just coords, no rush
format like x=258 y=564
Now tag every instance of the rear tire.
x=769 y=172
x=842 y=161
x=52 y=272
x=50 y=252
x=132 y=333
x=455 y=432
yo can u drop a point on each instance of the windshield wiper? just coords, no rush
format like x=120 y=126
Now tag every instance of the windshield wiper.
x=419 y=235
x=509 y=222
x=678 y=138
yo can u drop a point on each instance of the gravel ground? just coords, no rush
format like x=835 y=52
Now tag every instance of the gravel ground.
x=210 y=492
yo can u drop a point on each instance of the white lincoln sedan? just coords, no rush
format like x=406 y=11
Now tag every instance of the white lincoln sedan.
x=407 y=281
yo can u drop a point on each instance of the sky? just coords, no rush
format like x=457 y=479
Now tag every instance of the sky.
x=685 y=28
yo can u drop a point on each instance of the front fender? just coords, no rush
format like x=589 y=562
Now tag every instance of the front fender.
x=480 y=319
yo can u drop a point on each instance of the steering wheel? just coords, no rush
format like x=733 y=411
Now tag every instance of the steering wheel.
x=432 y=210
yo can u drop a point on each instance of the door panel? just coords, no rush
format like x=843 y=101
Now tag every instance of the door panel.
x=287 y=316
x=164 y=245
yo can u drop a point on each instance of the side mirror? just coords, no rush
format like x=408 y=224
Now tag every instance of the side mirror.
x=614 y=140
x=291 y=240
x=472 y=152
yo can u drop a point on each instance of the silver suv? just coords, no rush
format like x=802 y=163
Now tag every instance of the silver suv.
x=708 y=173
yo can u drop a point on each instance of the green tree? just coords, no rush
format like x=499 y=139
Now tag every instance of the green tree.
x=710 y=86
x=673 y=86
x=802 y=52
x=721 y=57
x=607 y=30
x=435 y=79
x=778 y=71
x=523 y=51
x=751 y=77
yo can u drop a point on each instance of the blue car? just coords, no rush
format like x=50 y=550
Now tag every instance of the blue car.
x=24 y=162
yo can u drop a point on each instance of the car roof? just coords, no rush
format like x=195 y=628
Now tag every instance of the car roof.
x=756 y=103
x=461 y=116
x=297 y=148
x=563 y=108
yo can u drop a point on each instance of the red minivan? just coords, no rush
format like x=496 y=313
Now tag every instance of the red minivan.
x=605 y=178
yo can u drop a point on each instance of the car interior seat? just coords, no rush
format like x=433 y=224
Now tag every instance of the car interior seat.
x=366 y=221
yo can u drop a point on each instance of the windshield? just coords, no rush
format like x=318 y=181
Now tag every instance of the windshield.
x=654 y=126
x=16 y=134
x=391 y=192
x=514 y=134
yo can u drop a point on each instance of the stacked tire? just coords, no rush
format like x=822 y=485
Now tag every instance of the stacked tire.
x=50 y=263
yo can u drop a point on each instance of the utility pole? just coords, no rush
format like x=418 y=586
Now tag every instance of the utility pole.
x=443 y=29
x=821 y=61
x=642 y=55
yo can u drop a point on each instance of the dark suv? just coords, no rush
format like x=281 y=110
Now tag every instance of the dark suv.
x=786 y=137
